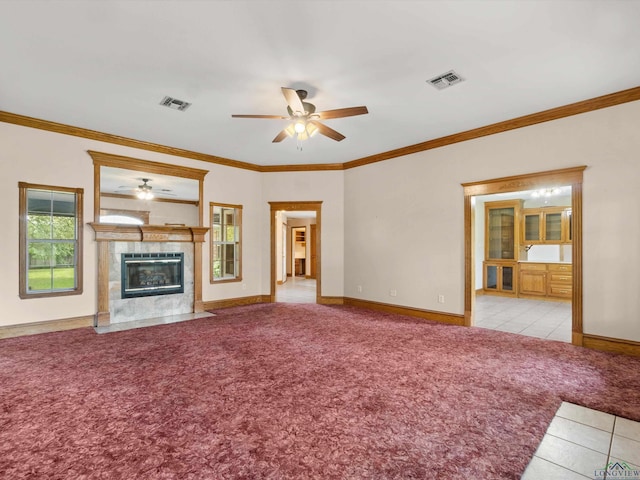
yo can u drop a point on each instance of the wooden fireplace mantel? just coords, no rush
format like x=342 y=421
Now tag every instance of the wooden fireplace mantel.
x=113 y=232
x=106 y=232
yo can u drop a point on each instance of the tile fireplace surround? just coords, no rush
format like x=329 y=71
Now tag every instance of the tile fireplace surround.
x=113 y=240
x=140 y=308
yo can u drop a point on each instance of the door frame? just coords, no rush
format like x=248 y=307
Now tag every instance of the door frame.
x=552 y=178
x=300 y=206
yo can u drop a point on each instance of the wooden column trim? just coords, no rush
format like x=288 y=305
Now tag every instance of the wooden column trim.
x=197 y=278
x=576 y=260
x=103 y=315
x=469 y=277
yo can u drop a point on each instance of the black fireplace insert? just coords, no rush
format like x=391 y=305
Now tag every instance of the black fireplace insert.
x=145 y=274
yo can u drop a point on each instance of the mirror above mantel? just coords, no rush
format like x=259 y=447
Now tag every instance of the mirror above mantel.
x=119 y=182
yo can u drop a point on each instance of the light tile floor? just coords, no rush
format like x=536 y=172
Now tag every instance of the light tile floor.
x=584 y=443
x=534 y=318
x=297 y=290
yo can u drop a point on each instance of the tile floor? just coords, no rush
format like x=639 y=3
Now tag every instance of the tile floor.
x=584 y=443
x=535 y=318
x=297 y=290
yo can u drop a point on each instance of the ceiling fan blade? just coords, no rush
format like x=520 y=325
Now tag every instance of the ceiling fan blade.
x=293 y=100
x=328 y=132
x=260 y=116
x=343 y=112
x=281 y=136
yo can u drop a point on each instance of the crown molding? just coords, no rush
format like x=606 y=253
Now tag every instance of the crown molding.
x=604 y=101
x=584 y=106
x=31 y=122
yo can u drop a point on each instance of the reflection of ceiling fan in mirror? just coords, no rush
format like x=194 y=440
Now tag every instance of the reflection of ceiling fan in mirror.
x=144 y=191
x=305 y=121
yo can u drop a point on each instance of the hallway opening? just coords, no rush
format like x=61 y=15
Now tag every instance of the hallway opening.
x=295 y=252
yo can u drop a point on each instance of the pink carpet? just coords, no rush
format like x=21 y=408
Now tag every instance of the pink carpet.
x=279 y=391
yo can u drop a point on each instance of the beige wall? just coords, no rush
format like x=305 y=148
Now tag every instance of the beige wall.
x=327 y=187
x=404 y=226
x=393 y=225
x=237 y=187
x=36 y=156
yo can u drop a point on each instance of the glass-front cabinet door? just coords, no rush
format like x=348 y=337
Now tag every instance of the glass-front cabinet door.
x=553 y=227
x=508 y=277
x=500 y=277
x=500 y=225
x=491 y=277
x=532 y=231
x=546 y=225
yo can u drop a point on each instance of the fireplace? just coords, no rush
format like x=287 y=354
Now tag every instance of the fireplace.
x=146 y=274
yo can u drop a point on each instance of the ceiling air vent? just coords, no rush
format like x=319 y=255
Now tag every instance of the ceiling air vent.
x=445 y=80
x=175 y=103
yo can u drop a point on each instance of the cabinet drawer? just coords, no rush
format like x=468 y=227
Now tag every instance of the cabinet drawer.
x=560 y=290
x=560 y=267
x=561 y=278
x=538 y=267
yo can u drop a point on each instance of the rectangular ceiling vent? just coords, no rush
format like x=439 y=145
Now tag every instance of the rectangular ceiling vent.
x=175 y=104
x=445 y=80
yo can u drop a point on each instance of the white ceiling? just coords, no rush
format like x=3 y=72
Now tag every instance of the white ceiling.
x=106 y=65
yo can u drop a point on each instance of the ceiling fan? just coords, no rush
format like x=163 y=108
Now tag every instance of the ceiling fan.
x=144 y=191
x=305 y=121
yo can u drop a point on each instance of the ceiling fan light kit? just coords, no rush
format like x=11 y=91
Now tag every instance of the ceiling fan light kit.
x=144 y=190
x=305 y=122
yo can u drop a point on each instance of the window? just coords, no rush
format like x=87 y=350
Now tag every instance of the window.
x=128 y=217
x=50 y=241
x=226 y=242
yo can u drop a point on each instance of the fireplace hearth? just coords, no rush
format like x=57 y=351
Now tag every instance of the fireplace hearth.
x=147 y=274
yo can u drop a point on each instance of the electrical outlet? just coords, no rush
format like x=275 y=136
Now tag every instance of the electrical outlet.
x=393 y=292
x=359 y=288
x=440 y=298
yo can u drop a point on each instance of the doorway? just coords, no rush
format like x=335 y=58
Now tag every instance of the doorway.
x=295 y=252
x=522 y=262
x=507 y=186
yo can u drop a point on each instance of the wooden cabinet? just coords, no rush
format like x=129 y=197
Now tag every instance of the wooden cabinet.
x=501 y=232
x=500 y=277
x=501 y=247
x=533 y=279
x=560 y=280
x=549 y=225
x=553 y=280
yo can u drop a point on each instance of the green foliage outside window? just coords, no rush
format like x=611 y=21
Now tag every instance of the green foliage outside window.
x=51 y=241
